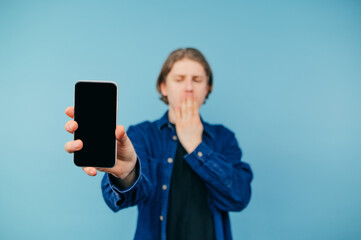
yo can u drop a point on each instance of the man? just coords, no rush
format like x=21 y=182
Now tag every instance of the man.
x=183 y=173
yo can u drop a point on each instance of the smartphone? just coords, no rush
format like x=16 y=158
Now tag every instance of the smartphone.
x=95 y=111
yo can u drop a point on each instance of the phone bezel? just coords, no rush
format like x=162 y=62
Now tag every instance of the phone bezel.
x=116 y=114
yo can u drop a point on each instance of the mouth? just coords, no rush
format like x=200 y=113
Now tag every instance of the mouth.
x=188 y=95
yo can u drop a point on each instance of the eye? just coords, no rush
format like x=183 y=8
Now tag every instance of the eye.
x=197 y=79
x=178 y=79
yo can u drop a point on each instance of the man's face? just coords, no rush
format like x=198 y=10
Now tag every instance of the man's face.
x=187 y=78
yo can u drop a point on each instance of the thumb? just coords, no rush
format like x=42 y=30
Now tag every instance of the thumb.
x=120 y=134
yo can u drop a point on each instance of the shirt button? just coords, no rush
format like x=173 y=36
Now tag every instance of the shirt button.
x=161 y=218
x=174 y=138
x=200 y=154
x=170 y=160
x=164 y=187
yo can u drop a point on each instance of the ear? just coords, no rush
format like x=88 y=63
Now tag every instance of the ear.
x=163 y=89
x=209 y=89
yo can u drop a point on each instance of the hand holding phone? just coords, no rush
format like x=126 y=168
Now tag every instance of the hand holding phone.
x=125 y=158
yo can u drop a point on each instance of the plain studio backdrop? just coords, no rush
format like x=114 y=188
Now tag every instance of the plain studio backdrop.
x=287 y=81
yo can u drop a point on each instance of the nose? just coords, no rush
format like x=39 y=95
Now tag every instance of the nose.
x=189 y=86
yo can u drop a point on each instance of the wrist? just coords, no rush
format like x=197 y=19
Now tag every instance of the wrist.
x=192 y=146
x=126 y=174
x=126 y=180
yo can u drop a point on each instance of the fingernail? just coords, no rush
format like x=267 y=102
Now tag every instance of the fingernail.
x=70 y=127
x=76 y=144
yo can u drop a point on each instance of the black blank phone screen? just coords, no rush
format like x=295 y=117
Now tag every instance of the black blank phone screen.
x=95 y=112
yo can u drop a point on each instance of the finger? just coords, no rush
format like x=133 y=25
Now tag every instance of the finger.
x=106 y=170
x=70 y=111
x=195 y=108
x=190 y=107
x=71 y=126
x=184 y=110
x=91 y=171
x=73 y=146
x=120 y=134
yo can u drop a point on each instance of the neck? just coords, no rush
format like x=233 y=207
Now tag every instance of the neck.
x=171 y=115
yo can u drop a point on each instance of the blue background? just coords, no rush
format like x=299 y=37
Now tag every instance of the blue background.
x=287 y=82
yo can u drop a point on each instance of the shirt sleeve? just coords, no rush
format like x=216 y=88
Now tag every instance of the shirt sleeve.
x=117 y=198
x=226 y=177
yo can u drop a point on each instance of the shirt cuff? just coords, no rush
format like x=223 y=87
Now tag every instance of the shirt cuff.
x=203 y=156
x=201 y=152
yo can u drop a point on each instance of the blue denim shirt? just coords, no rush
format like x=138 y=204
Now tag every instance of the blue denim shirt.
x=217 y=160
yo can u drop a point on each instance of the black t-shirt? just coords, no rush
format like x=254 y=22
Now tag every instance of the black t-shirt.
x=189 y=216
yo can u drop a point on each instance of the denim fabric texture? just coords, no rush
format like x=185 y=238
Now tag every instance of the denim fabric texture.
x=217 y=160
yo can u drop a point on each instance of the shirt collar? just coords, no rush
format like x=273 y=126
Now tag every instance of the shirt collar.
x=164 y=121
